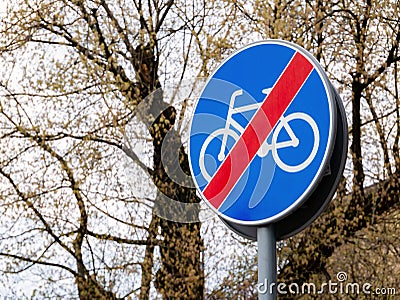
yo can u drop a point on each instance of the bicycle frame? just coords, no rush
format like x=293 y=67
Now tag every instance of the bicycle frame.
x=231 y=122
x=265 y=148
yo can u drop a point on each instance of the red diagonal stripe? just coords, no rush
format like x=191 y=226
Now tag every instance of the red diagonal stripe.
x=258 y=129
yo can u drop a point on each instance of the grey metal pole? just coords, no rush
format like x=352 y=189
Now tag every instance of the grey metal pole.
x=266 y=242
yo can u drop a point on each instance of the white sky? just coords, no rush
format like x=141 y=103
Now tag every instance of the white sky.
x=2 y=6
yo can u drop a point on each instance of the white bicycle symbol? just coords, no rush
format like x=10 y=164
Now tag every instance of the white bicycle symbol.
x=283 y=122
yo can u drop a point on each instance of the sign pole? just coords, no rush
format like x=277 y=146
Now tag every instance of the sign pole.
x=266 y=242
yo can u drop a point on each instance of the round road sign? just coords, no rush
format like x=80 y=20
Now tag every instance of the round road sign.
x=262 y=133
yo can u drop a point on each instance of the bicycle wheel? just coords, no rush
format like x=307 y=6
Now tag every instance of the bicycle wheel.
x=296 y=168
x=214 y=135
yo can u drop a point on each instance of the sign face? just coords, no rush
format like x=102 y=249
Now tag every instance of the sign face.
x=262 y=133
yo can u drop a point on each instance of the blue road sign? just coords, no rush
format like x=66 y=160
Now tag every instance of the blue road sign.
x=262 y=132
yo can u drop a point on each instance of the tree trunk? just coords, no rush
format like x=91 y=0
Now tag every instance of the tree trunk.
x=181 y=274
